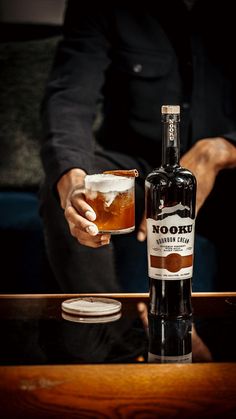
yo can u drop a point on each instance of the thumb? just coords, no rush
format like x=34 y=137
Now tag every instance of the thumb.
x=142 y=231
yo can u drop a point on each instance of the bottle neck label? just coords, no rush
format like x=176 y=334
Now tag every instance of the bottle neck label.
x=170 y=141
x=163 y=359
x=170 y=244
x=171 y=133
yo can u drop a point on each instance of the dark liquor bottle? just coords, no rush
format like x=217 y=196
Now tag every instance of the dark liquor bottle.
x=170 y=212
x=170 y=340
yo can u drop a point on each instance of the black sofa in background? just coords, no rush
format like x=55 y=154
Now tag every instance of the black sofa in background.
x=26 y=53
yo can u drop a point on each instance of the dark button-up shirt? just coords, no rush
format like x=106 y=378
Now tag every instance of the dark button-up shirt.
x=132 y=60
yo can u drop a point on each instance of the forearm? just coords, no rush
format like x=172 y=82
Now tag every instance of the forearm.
x=222 y=153
x=72 y=92
x=205 y=159
x=215 y=153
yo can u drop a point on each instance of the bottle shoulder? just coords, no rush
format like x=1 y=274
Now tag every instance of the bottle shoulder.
x=176 y=174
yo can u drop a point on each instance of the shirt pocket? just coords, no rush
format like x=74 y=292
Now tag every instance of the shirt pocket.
x=142 y=64
x=140 y=83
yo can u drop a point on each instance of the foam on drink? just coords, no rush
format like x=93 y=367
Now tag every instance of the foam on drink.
x=108 y=183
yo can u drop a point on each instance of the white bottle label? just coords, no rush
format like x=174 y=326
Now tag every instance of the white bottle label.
x=163 y=359
x=170 y=243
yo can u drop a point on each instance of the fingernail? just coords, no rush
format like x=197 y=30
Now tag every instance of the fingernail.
x=92 y=229
x=141 y=236
x=105 y=241
x=91 y=216
x=104 y=237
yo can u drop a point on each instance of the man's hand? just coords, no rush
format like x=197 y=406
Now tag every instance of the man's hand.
x=205 y=159
x=78 y=213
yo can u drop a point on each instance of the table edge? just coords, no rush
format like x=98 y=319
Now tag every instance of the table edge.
x=112 y=295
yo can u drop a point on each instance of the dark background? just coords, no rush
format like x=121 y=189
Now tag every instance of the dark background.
x=29 y=32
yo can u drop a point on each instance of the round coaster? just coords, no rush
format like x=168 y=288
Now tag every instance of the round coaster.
x=91 y=306
x=91 y=320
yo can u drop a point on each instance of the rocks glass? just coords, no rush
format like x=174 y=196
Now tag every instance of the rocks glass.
x=112 y=197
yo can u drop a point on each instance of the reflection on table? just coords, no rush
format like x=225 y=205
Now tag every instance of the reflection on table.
x=39 y=332
x=54 y=367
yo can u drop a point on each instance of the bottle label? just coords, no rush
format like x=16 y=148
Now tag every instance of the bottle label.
x=163 y=359
x=170 y=243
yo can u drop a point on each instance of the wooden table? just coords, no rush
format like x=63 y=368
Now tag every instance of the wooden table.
x=139 y=390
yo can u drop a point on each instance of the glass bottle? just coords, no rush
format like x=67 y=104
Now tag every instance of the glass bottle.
x=170 y=192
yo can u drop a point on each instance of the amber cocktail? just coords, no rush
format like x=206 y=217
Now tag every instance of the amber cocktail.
x=112 y=198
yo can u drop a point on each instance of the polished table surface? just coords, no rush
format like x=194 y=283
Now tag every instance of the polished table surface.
x=52 y=367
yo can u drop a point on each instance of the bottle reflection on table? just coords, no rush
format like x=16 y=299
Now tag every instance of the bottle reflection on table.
x=170 y=340
x=173 y=340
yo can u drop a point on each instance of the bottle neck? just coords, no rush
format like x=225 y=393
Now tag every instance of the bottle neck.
x=170 y=140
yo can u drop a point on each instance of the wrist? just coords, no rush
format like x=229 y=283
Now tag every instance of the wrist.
x=67 y=182
x=225 y=154
x=218 y=152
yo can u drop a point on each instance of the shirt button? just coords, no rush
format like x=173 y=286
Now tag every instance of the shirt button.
x=137 y=68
